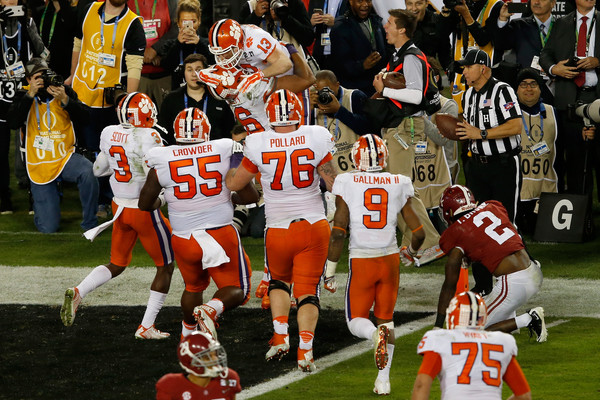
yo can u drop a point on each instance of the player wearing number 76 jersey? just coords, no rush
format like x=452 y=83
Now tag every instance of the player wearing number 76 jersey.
x=470 y=362
x=369 y=201
x=483 y=233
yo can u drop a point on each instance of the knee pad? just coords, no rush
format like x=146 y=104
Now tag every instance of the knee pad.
x=275 y=284
x=314 y=300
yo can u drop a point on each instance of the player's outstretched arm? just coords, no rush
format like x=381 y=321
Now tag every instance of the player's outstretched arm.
x=448 y=290
x=327 y=172
x=149 y=200
x=303 y=77
x=341 y=219
x=279 y=63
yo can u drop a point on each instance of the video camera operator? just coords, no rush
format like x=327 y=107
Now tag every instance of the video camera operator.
x=45 y=112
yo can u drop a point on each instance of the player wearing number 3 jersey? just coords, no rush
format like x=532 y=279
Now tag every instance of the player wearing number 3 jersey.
x=471 y=363
x=483 y=233
x=290 y=159
x=369 y=201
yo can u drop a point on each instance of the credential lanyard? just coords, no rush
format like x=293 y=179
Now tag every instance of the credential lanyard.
x=37 y=114
x=542 y=108
x=51 y=26
x=543 y=39
x=5 y=44
x=185 y=102
x=114 y=32
x=137 y=8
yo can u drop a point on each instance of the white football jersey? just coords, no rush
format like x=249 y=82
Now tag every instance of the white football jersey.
x=258 y=46
x=125 y=148
x=194 y=180
x=288 y=165
x=250 y=111
x=473 y=361
x=374 y=200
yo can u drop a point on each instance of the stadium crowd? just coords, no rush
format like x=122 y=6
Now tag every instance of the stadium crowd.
x=281 y=103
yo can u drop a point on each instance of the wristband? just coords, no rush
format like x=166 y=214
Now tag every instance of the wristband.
x=330 y=268
x=411 y=252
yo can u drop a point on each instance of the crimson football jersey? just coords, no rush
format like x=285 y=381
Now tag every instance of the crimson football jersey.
x=178 y=387
x=484 y=235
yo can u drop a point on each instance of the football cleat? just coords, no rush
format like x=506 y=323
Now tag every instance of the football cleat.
x=381 y=388
x=69 y=307
x=150 y=333
x=537 y=324
x=280 y=346
x=262 y=289
x=206 y=316
x=430 y=254
x=380 y=338
x=306 y=362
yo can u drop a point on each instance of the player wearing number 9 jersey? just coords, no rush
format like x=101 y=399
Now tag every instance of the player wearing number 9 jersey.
x=483 y=233
x=206 y=244
x=290 y=159
x=471 y=363
x=122 y=157
x=369 y=201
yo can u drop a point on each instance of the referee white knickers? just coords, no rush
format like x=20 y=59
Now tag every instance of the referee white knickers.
x=511 y=292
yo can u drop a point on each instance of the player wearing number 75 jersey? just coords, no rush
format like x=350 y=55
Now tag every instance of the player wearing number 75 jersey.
x=369 y=201
x=470 y=362
x=290 y=159
x=483 y=233
x=122 y=151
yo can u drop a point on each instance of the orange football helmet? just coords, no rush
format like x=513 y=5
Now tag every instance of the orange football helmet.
x=191 y=126
x=466 y=310
x=456 y=199
x=284 y=108
x=137 y=109
x=370 y=153
x=199 y=354
x=226 y=42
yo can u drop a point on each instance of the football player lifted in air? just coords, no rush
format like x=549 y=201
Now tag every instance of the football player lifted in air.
x=483 y=233
x=470 y=362
x=122 y=149
x=206 y=374
x=368 y=201
x=205 y=243
x=290 y=159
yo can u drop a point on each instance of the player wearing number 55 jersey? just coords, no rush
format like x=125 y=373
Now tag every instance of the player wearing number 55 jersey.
x=123 y=147
x=206 y=244
x=471 y=363
x=290 y=159
x=483 y=233
x=369 y=201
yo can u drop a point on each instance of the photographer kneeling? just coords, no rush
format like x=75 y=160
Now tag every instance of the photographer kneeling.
x=44 y=113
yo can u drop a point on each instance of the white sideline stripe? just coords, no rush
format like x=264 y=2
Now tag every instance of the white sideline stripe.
x=330 y=360
x=556 y=323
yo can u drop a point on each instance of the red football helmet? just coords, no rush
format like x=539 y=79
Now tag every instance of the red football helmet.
x=466 y=310
x=201 y=355
x=370 y=153
x=137 y=109
x=191 y=126
x=221 y=82
x=456 y=199
x=226 y=42
x=284 y=108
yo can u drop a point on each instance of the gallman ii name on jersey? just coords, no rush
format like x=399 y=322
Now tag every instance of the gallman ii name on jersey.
x=287 y=141
x=193 y=150
x=375 y=180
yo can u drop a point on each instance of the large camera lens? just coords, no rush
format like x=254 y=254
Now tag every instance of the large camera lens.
x=325 y=96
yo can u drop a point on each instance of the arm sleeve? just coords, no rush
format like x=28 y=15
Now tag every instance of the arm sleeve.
x=515 y=379
x=134 y=65
x=249 y=166
x=413 y=72
x=76 y=44
x=431 y=364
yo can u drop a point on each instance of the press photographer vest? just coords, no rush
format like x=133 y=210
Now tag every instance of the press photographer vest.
x=458 y=88
x=344 y=136
x=90 y=76
x=43 y=166
x=538 y=171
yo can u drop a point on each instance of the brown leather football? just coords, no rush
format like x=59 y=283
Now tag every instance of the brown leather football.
x=394 y=80
x=446 y=124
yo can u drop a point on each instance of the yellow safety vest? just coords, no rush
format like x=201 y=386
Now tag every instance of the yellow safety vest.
x=45 y=164
x=91 y=77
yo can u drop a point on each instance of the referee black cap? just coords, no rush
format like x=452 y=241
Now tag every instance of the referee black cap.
x=476 y=56
x=529 y=73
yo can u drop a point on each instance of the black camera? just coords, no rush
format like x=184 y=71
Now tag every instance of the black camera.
x=325 y=95
x=51 y=78
x=112 y=95
x=450 y=4
x=280 y=7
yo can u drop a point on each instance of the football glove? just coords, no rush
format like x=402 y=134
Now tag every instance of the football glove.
x=249 y=84
x=408 y=256
x=330 y=282
x=209 y=78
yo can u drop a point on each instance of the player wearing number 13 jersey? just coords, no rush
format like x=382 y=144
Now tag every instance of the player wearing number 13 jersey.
x=369 y=201
x=290 y=159
x=470 y=363
x=483 y=233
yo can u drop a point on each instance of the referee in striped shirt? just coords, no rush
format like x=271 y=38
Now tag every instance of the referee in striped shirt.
x=492 y=125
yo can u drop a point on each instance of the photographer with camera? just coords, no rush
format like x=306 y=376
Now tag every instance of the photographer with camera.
x=572 y=57
x=45 y=113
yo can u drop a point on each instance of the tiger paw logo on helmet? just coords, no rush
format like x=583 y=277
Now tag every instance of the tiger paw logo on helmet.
x=235 y=31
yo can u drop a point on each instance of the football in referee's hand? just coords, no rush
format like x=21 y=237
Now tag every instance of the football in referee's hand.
x=446 y=124
x=393 y=80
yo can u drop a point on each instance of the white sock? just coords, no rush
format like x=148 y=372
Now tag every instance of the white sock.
x=362 y=328
x=384 y=374
x=308 y=336
x=155 y=303
x=187 y=329
x=98 y=277
x=280 y=328
x=523 y=320
x=217 y=305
